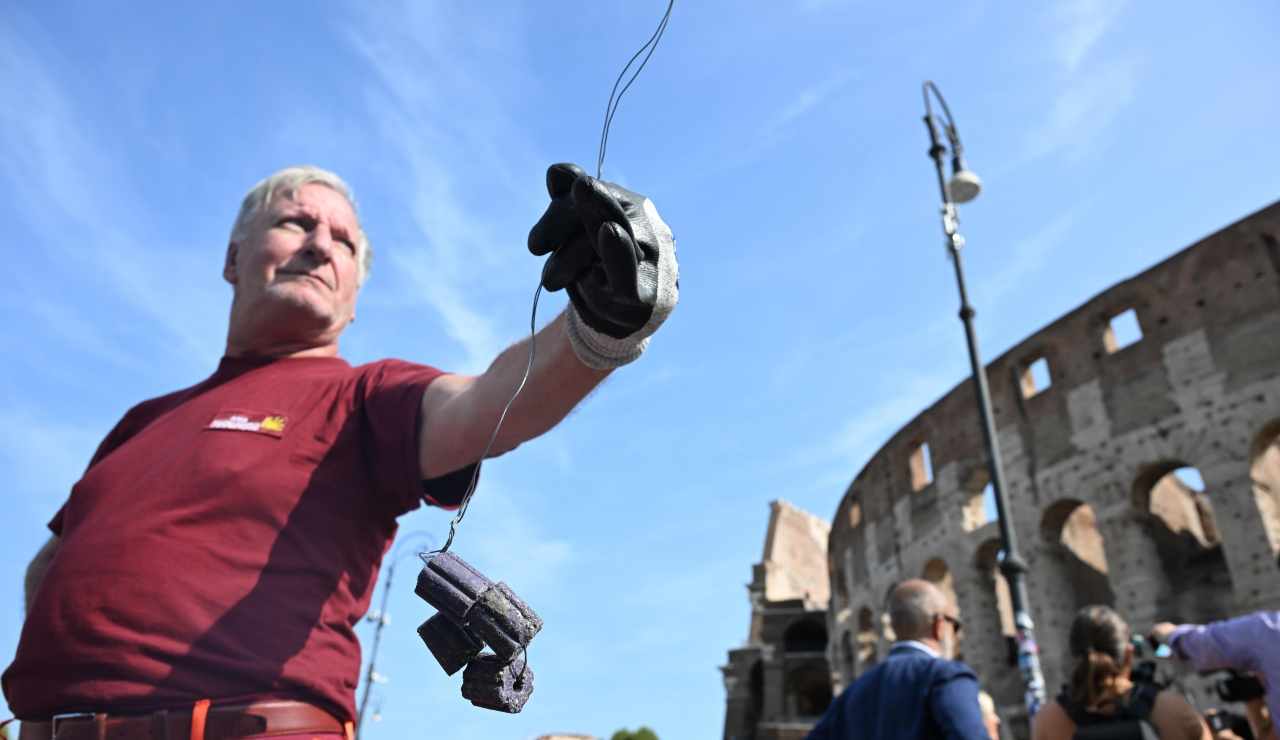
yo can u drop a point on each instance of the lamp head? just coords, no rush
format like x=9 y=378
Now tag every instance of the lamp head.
x=964 y=186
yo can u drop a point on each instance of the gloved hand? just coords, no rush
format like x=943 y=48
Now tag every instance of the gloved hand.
x=616 y=257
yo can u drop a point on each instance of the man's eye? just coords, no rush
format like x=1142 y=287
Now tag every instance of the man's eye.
x=297 y=223
x=350 y=245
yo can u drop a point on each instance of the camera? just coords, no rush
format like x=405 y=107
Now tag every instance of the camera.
x=1240 y=687
x=1144 y=668
x=1149 y=647
x=1221 y=719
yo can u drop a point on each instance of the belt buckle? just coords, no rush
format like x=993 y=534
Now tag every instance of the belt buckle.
x=62 y=717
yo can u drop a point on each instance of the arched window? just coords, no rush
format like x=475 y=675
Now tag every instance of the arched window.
x=808 y=691
x=868 y=641
x=1077 y=550
x=937 y=573
x=1188 y=543
x=988 y=561
x=848 y=658
x=805 y=636
x=1264 y=472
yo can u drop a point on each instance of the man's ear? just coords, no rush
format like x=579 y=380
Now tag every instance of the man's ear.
x=229 y=268
x=935 y=627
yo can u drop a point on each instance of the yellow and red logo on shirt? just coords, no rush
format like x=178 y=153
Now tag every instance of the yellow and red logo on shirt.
x=245 y=421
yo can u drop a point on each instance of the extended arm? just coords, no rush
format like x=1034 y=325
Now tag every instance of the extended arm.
x=1229 y=644
x=616 y=258
x=459 y=412
x=35 y=571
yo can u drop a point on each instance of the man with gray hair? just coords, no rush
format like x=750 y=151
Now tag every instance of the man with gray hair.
x=919 y=691
x=205 y=576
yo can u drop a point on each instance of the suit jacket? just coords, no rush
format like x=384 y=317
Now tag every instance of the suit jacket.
x=912 y=694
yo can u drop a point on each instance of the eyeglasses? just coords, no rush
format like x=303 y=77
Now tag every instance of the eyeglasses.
x=956 y=624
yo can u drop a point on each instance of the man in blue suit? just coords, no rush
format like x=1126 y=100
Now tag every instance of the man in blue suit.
x=918 y=691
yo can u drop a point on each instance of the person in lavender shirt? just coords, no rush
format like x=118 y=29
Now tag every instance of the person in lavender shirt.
x=1250 y=644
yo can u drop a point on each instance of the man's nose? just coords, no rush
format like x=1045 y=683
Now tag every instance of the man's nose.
x=319 y=243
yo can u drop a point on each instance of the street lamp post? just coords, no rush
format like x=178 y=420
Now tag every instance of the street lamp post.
x=382 y=619
x=962 y=188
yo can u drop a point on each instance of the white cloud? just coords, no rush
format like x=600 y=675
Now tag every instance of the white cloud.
x=1083 y=110
x=1082 y=23
x=1089 y=95
x=94 y=233
x=809 y=98
x=48 y=455
x=74 y=330
x=837 y=455
x=1028 y=257
x=863 y=434
x=783 y=121
x=444 y=76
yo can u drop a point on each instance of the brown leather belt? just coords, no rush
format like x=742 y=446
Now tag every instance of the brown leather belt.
x=221 y=723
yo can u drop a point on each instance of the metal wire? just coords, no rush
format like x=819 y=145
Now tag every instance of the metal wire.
x=615 y=97
x=475 y=473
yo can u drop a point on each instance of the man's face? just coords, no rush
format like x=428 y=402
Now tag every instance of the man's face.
x=948 y=632
x=296 y=271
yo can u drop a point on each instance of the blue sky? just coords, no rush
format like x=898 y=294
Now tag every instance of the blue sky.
x=781 y=141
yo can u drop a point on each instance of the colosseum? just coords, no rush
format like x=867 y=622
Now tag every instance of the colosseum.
x=1140 y=435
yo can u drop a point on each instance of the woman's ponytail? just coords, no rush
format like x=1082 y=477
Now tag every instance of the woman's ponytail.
x=1099 y=639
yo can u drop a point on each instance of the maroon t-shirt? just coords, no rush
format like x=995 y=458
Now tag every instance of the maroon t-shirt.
x=226 y=539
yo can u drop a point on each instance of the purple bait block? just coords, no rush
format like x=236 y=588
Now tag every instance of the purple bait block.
x=451 y=585
x=503 y=621
x=451 y=643
x=493 y=683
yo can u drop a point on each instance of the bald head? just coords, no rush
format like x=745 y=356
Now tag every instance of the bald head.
x=913 y=605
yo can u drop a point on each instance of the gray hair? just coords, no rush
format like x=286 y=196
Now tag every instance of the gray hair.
x=913 y=605
x=286 y=182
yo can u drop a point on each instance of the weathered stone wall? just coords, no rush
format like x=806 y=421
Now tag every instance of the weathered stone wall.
x=1088 y=463
x=795 y=556
x=779 y=683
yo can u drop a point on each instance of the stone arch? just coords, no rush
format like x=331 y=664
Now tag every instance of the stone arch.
x=990 y=647
x=939 y=574
x=1072 y=570
x=806 y=635
x=1264 y=475
x=987 y=560
x=887 y=634
x=839 y=583
x=755 y=690
x=851 y=522
x=848 y=657
x=808 y=691
x=975 y=489
x=1188 y=545
x=868 y=642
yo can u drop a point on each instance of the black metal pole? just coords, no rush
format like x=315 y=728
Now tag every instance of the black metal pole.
x=1011 y=565
x=393 y=559
x=377 y=640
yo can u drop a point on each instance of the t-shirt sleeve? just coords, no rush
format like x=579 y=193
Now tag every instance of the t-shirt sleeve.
x=447 y=491
x=392 y=407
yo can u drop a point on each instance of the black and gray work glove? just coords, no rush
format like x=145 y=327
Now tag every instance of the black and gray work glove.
x=617 y=258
